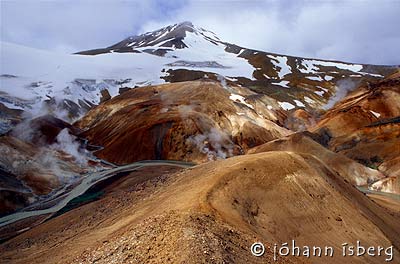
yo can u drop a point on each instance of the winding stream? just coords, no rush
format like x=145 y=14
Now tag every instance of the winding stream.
x=387 y=194
x=62 y=197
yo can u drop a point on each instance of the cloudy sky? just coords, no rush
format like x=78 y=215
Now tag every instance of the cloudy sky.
x=356 y=31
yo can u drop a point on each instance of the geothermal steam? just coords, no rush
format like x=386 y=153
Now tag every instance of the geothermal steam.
x=343 y=87
x=214 y=143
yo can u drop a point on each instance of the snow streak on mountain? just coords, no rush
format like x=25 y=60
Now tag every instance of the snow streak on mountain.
x=73 y=83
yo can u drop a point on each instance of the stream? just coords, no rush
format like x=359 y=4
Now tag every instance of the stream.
x=366 y=190
x=61 y=198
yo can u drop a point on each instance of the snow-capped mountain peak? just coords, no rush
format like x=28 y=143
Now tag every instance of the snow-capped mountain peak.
x=179 y=52
x=172 y=36
x=159 y=42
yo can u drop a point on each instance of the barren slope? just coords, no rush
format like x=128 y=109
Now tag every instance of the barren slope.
x=213 y=213
x=365 y=126
x=350 y=170
x=196 y=121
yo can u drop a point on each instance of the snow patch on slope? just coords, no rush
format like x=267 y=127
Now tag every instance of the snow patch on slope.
x=313 y=66
x=315 y=78
x=377 y=115
x=201 y=49
x=283 y=84
x=41 y=75
x=281 y=65
x=240 y=99
x=299 y=103
x=286 y=106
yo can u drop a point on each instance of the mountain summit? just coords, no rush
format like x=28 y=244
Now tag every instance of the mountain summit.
x=159 y=41
x=179 y=52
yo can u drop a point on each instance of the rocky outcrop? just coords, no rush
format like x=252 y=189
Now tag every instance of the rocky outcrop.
x=28 y=172
x=365 y=126
x=42 y=130
x=196 y=121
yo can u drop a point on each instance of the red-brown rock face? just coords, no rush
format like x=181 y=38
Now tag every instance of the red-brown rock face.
x=365 y=126
x=195 y=121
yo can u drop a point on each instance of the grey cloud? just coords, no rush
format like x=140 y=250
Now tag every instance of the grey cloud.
x=76 y=25
x=355 y=31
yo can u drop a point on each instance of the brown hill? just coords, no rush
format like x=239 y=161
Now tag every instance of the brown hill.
x=365 y=127
x=348 y=169
x=212 y=214
x=196 y=121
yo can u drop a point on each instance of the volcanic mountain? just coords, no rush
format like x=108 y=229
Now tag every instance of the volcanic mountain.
x=70 y=84
x=196 y=52
x=175 y=146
